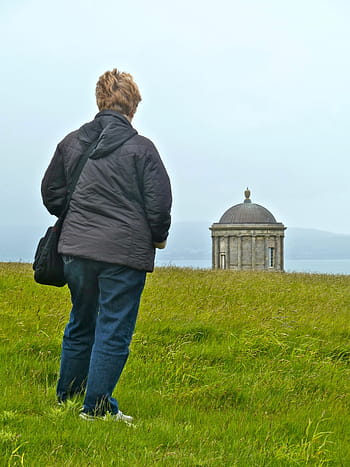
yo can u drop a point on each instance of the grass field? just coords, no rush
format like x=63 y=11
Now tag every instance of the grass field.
x=227 y=369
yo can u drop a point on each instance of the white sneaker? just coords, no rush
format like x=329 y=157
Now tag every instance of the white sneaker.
x=120 y=416
x=117 y=417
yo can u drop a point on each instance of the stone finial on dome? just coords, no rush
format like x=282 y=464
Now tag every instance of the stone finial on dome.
x=247 y=196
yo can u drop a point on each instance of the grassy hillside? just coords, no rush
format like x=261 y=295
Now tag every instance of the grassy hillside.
x=227 y=369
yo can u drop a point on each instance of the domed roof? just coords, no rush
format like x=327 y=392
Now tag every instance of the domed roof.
x=247 y=213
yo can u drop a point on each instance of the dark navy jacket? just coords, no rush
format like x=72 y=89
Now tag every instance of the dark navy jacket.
x=122 y=201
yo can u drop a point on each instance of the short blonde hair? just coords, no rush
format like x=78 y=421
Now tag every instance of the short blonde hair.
x=117 y=91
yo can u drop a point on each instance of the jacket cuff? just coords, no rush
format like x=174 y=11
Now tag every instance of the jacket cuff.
x=160 y=238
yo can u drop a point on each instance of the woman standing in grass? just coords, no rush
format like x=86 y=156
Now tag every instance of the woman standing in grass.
x=119 y=213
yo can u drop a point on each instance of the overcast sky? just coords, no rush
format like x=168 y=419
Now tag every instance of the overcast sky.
x=236 y=93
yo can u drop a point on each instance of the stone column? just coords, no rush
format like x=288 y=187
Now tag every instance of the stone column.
x=253 y=251
x=215 y=252
x=277 y=261
x=213 y=242
x=218 y=252
x=227 y=252
x=282 y=252
x=239 y=250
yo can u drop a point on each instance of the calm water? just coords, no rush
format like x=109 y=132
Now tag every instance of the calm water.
x=323 y=266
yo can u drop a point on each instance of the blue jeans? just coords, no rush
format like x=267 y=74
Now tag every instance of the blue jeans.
x=105 y=301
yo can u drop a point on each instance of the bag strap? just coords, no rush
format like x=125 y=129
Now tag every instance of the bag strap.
x=75 y=177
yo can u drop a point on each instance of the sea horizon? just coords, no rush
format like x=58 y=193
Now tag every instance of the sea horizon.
x=313 y=266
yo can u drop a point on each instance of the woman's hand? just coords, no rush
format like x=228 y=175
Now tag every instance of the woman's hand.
x=159 y=245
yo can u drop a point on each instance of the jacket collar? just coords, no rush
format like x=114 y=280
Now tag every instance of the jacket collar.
x=112 y=113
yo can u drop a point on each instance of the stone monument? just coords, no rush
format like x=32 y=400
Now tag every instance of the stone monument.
x=248 y=237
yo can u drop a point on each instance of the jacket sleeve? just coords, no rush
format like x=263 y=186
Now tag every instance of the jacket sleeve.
x=54 y=185
x=157 y=196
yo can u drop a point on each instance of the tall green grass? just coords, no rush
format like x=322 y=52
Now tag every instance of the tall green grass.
x=227 y=369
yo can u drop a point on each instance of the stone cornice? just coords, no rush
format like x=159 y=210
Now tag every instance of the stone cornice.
x=247 y=227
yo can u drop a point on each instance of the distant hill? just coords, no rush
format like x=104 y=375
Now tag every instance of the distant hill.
x=316 y=244
x=18 y=243
x=191 y=241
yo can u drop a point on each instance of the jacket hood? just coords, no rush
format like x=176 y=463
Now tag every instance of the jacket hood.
x=109 y=129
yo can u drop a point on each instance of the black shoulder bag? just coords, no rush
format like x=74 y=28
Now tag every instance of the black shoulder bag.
x=48 y=263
